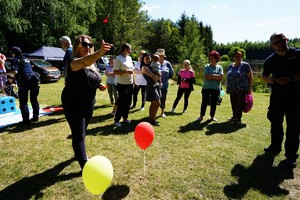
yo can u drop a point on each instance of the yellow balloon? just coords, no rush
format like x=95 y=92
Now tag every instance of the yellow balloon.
x=97 y=174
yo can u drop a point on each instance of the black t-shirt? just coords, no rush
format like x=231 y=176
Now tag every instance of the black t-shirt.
x=77 y=88
x=149 y=80
x=285 y=66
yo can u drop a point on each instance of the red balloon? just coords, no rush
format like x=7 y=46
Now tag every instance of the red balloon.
x=144 y=135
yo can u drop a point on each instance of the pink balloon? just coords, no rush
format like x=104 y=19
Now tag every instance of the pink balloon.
x=144 y=135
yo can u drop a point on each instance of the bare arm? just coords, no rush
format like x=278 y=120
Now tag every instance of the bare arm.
x=217 y=77
x=147 y=71
x=250 y=81
x=80 y=63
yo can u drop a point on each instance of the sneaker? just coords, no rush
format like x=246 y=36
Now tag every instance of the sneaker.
x=25 y=122
x=113 y=113
x=231 y=119
x=200 y=119
x=236 y=121
x=213 y=119
x=34 y=119
x=155 y=123
x=142 y=108
x=69 y=136
x=173 y=110
x=163 y=115
x=272 y=149
x=118 y=124
x=156 y=84
x=127 y=121
x=288 y=163
x=184 y=110
x=132 y=107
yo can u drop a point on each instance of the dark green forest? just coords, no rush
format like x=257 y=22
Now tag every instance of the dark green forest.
x=31 y=24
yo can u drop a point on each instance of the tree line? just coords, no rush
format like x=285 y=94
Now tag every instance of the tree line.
x=31 y=24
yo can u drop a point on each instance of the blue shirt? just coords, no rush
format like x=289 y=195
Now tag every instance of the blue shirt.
x=167 y=72
x=212 y=84
x=237 y=78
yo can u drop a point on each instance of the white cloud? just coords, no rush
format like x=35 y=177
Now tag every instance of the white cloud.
x=150 y=9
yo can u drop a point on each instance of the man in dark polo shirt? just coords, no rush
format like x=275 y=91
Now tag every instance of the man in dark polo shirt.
x=282 y=72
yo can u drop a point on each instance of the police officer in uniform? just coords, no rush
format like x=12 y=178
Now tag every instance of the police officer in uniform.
x=27 y=81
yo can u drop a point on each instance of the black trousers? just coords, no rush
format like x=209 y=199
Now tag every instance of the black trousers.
x=78 y=116
x=124 y=101
x=237 y=100
x=29 y=86
x=180 y=92
x=136 y=90
x=288 y=106
x=209 y=95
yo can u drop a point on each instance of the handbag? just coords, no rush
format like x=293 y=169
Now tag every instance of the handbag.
x=248 y=103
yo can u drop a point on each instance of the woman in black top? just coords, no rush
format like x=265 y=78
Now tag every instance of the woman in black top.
x=153 y=93
x=78 y=95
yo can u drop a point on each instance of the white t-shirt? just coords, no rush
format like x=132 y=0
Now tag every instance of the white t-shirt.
x=139 y=78
x=122 y=64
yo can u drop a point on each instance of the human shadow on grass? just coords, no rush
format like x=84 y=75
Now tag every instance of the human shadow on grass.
x=261 y=175
x=194 y=125
x=111 y=129
x=32 y=187
x=116 y=192
x=223 y=128
x=19 y=127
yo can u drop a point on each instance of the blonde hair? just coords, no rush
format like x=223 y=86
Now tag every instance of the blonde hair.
x=77 y=42
x=187 y=62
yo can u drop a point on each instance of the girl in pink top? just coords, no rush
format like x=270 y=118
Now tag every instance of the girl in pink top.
x=186 y=78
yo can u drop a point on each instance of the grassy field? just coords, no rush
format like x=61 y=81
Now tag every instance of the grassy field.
x=187 y=159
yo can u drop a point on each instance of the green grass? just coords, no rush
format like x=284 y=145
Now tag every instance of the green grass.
x=187 y=160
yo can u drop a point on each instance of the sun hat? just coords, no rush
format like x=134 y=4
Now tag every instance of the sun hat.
x=161 y=52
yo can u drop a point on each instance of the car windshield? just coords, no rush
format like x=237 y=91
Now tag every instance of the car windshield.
x=42 y=63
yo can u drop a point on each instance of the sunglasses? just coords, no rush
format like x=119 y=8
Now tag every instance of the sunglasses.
x=279 y=41
x=85 y=44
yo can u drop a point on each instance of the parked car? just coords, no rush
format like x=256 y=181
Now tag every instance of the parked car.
x=102 y=63
x=46 y=70
x=8 y=66
x=11 y=71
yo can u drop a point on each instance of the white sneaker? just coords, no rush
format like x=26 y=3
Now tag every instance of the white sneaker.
x=184 y=110
x=164 y=115
x=213 y=119
x=173 y=110
x=118 y=124
x=156 y=84
x=142 y=108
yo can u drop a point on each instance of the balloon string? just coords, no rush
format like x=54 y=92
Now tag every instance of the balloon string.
x=144 y=164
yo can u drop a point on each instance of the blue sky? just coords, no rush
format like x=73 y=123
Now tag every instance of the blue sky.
x=234 y=20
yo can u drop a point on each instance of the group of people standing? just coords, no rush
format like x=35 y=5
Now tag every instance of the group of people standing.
x=144 y=77
x=124 y=80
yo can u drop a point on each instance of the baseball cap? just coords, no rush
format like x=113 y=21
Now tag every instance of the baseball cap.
x=277 y=35
x=16 y=50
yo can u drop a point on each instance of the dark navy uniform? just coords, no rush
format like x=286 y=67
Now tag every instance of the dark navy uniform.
x=284 y=101
x=27 y=82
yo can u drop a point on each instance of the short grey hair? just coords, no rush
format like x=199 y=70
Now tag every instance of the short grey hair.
x=65 y=38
